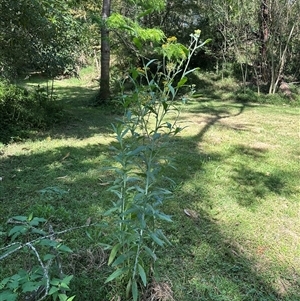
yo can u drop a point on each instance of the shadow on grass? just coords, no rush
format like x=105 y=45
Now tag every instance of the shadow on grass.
x=213 y=266
x=210 y=265
x=74 y=170
x=77 y=118
x=253 y=185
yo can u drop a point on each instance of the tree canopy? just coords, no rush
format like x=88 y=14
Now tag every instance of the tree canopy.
x=257 y=41
x=39 y=36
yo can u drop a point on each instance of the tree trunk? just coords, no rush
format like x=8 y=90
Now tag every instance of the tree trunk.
x=264 y=36
x=104 y=93
x=281 y=63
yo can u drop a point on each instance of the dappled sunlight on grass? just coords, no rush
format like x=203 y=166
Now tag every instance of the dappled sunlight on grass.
x=237 y=168
x=242 y=175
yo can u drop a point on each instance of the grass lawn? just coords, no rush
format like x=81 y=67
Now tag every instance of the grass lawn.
x=238 y=171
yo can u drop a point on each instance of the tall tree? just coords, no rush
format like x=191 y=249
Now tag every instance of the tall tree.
x=264 y=22
x=104 y=92
x=127 y=27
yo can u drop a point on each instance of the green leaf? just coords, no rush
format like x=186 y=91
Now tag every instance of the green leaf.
x=177 y=130
x=172 y=90
x=150 y=62
x=4 y=282
x=30 y=217
x=7 y=295
x=20 y=218
x=137 y=150
x=62 y=297
x=119 y=260
x=124 y=133
x=156 y=239
x=64 y=248
x=48 y=242
x=38 y=231
x=128 y=287
x=64 y=286
x=190 y=71
x=182 y=82
x=116 y=274
x=113 y=253
x=14 y=283
x=119 y=195
x=150 y=252
x=36 y=220
x=17 y=230
x=138 y=45
x=89 y=235
x=142 y=274
x=30 y=286
x=145 y=13
x=71 y=298
x=67 y=280
x=111 y=210
x=152 y=110
x=134 y=290
x=156 y=136
x=104 y=246
x=53 y=290
x=165 y=105
x=55 y=282
x=162 y=235
x=134 y=72
x=164 y=217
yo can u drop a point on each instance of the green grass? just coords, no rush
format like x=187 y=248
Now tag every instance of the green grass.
x=237 y=169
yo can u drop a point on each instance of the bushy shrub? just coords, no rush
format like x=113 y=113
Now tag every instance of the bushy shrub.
x=22 y=110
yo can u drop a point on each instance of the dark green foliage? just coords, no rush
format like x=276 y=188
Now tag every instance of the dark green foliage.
x=249 y=95
x=44 y=275
x=22 y=110
x=38 y=36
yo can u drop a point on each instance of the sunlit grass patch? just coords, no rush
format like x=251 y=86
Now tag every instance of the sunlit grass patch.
x=237 y=168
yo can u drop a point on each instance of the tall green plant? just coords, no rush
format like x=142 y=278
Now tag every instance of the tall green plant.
x=140 y=185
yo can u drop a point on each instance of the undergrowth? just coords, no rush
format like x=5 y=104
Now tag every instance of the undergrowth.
x=23 y=110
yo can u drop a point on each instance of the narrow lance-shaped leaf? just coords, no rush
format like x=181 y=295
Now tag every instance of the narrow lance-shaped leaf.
x=142 y=274
x=128 y=288
x=182 y=82
x=113 y=253
x=116 y=274
x=64 y=248
x=172 y=90
x=164 y=217
x=190 y=71
x=134 y=290
x=150 y=62
x=119 y=260
x=156 y=239
x=20 y=218
x=150 y=253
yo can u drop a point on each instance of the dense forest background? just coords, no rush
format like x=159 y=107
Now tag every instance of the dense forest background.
x=257 y=41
